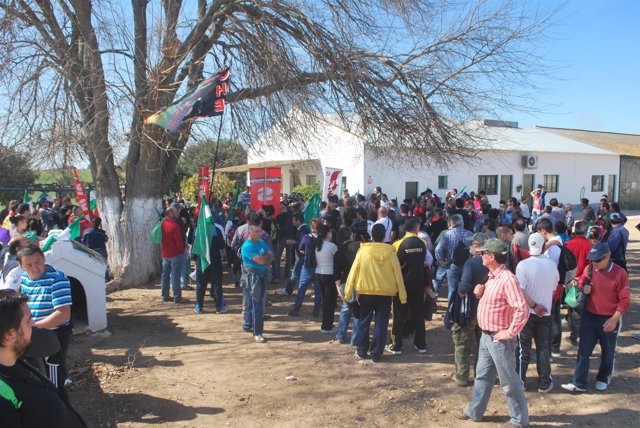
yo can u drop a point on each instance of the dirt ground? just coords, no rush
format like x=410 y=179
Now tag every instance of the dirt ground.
x=161 y=364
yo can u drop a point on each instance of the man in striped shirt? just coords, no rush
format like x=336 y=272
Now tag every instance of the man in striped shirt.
x=502 y=314
x=49 y=297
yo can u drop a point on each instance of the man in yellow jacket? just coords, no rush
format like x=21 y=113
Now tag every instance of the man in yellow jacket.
x=375 y=278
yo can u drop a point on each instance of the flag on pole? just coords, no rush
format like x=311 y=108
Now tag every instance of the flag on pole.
x=205 y=232
x=26 y=199
x=313 y=209
x=207 y=100
x=70 y=233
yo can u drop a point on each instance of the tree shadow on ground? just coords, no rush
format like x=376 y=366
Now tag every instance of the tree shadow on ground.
x=614 y=417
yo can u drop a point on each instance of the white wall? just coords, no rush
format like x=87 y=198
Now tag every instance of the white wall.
x=574 y=170
x=333 y=146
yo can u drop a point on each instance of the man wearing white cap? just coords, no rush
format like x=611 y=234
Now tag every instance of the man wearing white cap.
x=538 y=278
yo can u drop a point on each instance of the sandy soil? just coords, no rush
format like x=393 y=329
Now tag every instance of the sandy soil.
x=161 y=364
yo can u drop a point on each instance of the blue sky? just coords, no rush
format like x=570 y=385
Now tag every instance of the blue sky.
x=596 y=45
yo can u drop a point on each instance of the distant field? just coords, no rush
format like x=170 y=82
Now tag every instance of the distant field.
x=64 y=177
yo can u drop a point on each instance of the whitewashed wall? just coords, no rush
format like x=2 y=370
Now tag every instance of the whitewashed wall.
x=333 y=146
x=574 y=170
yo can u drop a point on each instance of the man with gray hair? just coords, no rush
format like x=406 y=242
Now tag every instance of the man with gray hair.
x=172 y=250
x=451 y=253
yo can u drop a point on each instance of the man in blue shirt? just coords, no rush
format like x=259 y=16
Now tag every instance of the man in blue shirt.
x=256 y=259
x=49 y=298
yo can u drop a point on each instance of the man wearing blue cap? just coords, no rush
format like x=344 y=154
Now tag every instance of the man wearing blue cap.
x=607 y=288
x=618 y=240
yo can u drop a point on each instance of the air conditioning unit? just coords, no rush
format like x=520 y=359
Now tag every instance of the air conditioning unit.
x=529 y=161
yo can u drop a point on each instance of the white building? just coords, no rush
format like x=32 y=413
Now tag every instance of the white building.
x=516 y=160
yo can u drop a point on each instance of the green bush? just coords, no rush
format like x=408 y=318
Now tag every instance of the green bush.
x=307 y=190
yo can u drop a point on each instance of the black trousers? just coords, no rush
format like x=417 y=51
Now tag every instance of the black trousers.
x=556 y=327
x=537 y=329
x=412 y=312
x=329 y=296
x=57 y=363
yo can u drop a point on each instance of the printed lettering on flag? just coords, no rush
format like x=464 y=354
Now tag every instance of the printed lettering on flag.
x=332 y=182
x=265 y=186
x=80 y=195
x=203 y=182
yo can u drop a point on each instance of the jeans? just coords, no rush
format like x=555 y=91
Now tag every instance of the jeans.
x=536 y=329
x=329 y=296
x=275 y=272
x=184 y=278
x=376 y=308
x=172 y=268
x=213 y=275
x=453 y=274
x=308 y=275
x=295 y=274
x=252 y=312
x=591 y=331
x=556 y=328
x=466 y=341
x=497 y=359
x=343 y=325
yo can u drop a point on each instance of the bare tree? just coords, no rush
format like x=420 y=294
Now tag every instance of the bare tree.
x=83 y=75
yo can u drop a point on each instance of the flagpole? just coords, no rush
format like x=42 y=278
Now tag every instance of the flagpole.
x=215 y=159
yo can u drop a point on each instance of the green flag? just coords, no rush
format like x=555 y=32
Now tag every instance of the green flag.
x=313 y=209
x=26 y=199
x=70 y=233
x=205 y=232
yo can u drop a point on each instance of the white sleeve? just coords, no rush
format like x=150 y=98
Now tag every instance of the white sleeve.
x=13 y=279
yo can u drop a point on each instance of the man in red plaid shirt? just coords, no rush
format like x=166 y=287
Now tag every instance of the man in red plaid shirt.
x=502 y=314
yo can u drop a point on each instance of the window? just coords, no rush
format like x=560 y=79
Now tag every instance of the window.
x=442 y=182
x=311 y=179
x=597 y=183
x=551 y=183
x=488 y=183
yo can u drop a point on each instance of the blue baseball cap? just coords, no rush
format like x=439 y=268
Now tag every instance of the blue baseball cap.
x=598 y=251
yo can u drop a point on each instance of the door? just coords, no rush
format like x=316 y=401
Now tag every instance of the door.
x=506 y=183
x=410 y=189
x=611 y=189
x=528 y=181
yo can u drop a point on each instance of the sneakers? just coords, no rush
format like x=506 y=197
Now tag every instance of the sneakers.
x=222 y=310
x=198 y=309
x=460 y=415
x=333 y=330
x=180 y=300
x=166 y=299
x=420 y=350
x=259 y=338
x=601 y=386
x=545 y=389
x=392 y=351
x=360 y=356
x=293 y=313
x=572 y=388
x=283 y=292
x=247 y=330
x=555 y=354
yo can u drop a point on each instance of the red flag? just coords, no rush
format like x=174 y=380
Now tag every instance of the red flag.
x=80 y=195
x=265 y=188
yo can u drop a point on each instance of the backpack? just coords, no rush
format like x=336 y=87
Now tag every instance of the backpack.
x=232 y=231
x=460 y=254
x=566 y=263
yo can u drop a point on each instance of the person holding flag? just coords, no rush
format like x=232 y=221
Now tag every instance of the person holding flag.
x=207 y=245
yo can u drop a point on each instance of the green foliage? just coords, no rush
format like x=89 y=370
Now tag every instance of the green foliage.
x=63 y=177
x=221 y=185
x=15 y=171
x=307 y=190
x=201 y=153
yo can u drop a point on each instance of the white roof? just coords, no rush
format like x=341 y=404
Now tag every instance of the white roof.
x=535 y=140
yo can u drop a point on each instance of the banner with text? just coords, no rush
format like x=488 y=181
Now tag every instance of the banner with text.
x=203 y=182
x=265 y=189
x=332 y=182
x=81 y=197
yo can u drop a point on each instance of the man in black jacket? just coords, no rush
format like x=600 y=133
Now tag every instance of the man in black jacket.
x=412 y=252
x=27 y=398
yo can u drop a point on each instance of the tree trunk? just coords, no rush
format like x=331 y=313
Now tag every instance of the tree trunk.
x=133 y=259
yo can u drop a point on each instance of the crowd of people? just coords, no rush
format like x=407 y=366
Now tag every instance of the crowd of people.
x=507 y=269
